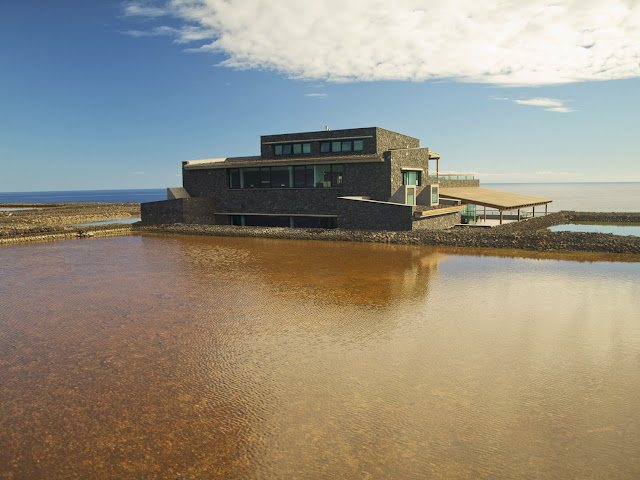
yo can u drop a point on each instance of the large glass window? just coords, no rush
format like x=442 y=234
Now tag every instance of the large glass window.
x=411 y=177
x=234 y=178
x=279 y=177
x=336 y=175
x=292 y=149
x=251 y=177
x=358 y=145
x=325 y=147
x=298 y=176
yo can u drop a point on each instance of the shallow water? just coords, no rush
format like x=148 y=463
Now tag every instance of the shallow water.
x=623 y=230
x=204 y=357
x=109 y=222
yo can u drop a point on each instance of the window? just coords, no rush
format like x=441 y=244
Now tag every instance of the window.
x=251 y=177
x=265 y=177
x=336 y=146
x=292 y=149
x=298 y=176
x=435 y=199
x=411 y=177
x=279 y=177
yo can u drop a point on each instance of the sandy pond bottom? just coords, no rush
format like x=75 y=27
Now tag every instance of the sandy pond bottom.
x=204 y=357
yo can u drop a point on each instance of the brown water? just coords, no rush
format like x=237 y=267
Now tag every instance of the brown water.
x=196 y=357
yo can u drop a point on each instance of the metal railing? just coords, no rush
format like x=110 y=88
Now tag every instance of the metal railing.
x=452 y=176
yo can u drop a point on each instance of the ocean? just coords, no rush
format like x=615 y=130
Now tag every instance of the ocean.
x=589 y=197
x=86 y=196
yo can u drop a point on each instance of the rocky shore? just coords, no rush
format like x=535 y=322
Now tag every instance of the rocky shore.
x=54 y=221
x=58 y=221
x=526 y=235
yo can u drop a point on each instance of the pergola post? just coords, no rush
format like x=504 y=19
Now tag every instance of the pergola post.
x=545 y=208
x=534 y=212
x=518 y=214
x=500 y=217
x=485 y=213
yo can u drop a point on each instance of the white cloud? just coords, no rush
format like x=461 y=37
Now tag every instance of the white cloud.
x=513 y=42
x=553 y=104
x=137 y=173
x=540 y=102
x=315 y=95
x=141 y=10
x=560 y=109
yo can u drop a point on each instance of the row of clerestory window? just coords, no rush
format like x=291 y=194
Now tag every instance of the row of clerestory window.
x=291 y=176
x=325 y=147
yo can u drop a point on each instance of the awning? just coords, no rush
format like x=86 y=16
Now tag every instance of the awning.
x=492 y=198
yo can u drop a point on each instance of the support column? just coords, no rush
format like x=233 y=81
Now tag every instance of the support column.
x=485 y=213
x=534 y=212
x=518 y=214
x=500 y=217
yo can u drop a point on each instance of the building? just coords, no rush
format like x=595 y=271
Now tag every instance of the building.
x=360 y=178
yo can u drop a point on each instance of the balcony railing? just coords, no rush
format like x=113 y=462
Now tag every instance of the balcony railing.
x=453 y=176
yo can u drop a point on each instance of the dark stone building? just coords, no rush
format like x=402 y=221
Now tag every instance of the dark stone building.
x=360 y=178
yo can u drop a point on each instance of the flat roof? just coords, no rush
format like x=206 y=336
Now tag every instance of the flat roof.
x=265 y=162
x=492 y=198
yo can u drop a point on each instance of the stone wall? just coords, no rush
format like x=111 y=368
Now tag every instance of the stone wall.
x=370 y=179
x=407 y=158
x=368 y=135
x=437 y=222
x=373 y=215
x=490 y=238
x=457 y=183
x=388 y=140
x=179 y=210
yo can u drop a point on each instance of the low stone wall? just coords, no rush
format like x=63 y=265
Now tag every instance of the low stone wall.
x=491 y=238
x=180 y=210
x=437 y=222
x=456 y=183
x=65 y=233
x=362 y=214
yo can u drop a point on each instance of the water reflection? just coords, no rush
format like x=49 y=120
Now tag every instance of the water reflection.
x=240 y=358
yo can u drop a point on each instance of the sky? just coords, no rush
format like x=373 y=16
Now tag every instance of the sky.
x=101 y=94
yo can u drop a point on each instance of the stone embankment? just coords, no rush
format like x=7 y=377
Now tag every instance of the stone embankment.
x=43 y=222
x=526 y=235
x=54 y=222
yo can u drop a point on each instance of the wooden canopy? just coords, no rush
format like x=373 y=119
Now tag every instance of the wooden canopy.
x=492 y=198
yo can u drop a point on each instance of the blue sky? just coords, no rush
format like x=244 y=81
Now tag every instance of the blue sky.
x=115 y=94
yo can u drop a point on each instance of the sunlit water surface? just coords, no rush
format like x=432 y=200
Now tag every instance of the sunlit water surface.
x=195 y=357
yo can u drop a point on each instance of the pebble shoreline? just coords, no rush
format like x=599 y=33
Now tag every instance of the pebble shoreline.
x=528 y=235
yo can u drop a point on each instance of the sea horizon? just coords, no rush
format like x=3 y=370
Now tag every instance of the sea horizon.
x=165 y=188
x=577 y=196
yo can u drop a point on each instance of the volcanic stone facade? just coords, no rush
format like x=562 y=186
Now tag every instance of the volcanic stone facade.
x=369 y=165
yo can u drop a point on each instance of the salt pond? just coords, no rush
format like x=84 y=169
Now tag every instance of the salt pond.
x=592 y=228
x=201 y=357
